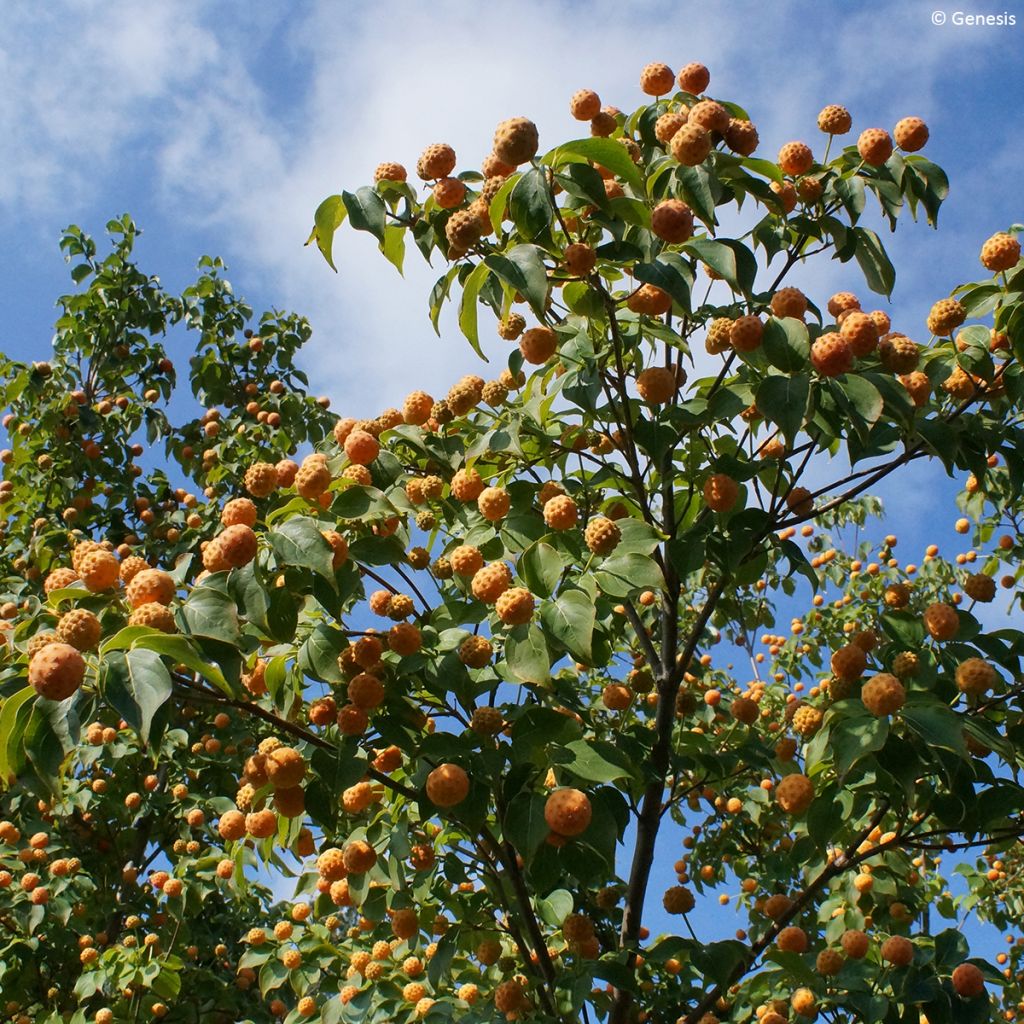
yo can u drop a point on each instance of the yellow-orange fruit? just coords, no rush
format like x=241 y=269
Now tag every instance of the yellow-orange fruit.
x=835 y=120
x=792 y=939
x=436 y=161
x=99 y=570
x=691 y=144
x=794 y=794
x=361 y=447
x=668 y=124
x=568 y=812
x=657 y=384
x=79 y=628
x=941 y=621
x=789 y=302
x=153 y=616
x=855 y=944
x=285 y=767
x=911 y=133
x=898 y=951
x=494 y=503
x=945 y=316
x=874 y=146
x=261 y=479
x=515 y=606
x=720 y=492
x=1000 y=252
x=584 y=104
x=795 y=158
x=238 y=545
x=516 y=141
x=602 y=536
x=678 y=900
x=538 y=345
x=238 y=510
x=968 y=981
x=657 y=79
x=358 y=856
x=975 y=677
x=490 y=582
x=447 y=785
x=694 y=78
x=883 y=695
x=672 y=221
x=56 y=672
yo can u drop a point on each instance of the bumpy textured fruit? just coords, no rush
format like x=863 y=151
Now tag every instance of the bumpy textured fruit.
x=835 y=120
x=153 y=616
x=436 y=161
x=261 y=479
x=792 y=939
x=584 y=104
x=883 y=695
x=511 y=326
x=911 y=133
x=981 y=587
x=238 y=510
x=463 y=229
x=719 y=332
x=746 y=333
x=849 y=662
x=945 y=316
x=466 y=560
x=568 y=812
x=720 y=492
x=795 y=158
x=515 y=606
x=475 y=651
x=491 y=582
x=741 y=136
x=975 y=677
x=858 y=330
x=99 y=570
x=494 y=503
x=516 y=141
x=151 y=585
x=656 y=384
x=313 y=477
x=510 y=997
x=79 y=628
x=874 y=146
x=831 y=355
x=807 y=720
x=449 y=193
x=694 y=78
x=678 y=900
x=711 y=116
x=285 y=767
x=941 y=621
x=657 y=79
x=538 y=345
x=580 y=259
x=898 y=353
x=672 y=221
x=668 y=124
x=898 y=951
x=560 y=512
x=855 y=944
x=789 y=302
x=691 y=144
x=1000 y=252
x=331 y=864
x=238 y=545
x=467 y=485
x=56 y=672
x=602 y=536
x=968 y=981
x=447 y=785
x=828 y=963
x=361 y=447
x=794 y=794
x=390 y=171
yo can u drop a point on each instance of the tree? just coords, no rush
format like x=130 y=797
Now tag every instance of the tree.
x=466 y=669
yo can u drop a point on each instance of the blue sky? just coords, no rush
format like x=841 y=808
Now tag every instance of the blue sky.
x=219 y=127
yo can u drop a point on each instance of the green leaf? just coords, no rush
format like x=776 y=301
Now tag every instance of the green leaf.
x=935 y=723
x=14 y=713
x=524 y=825
x=783 y=400
x=621 y=575
x=854 y=737
x=179 y=649
x=595 y=761
x=522 y=268
x=468 y=306
x=394 y=245
x=672 y=274
x=555 y=907
x=137 y=685
x=695 y=185
x=328 y=218
x=530 y=205
x=318 y=656
x=441 y=961
x=786 y=343
x=211 y=613
x=874 y=261
x=366 y=211
x=864 y=398
x=569 y=619
x=299 y=542
x=526 y=655
x=609 y=153
x=273 y=974
x=717 y=255
x=540 y=567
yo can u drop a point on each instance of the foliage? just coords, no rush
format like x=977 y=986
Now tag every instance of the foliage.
x=468 y=667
